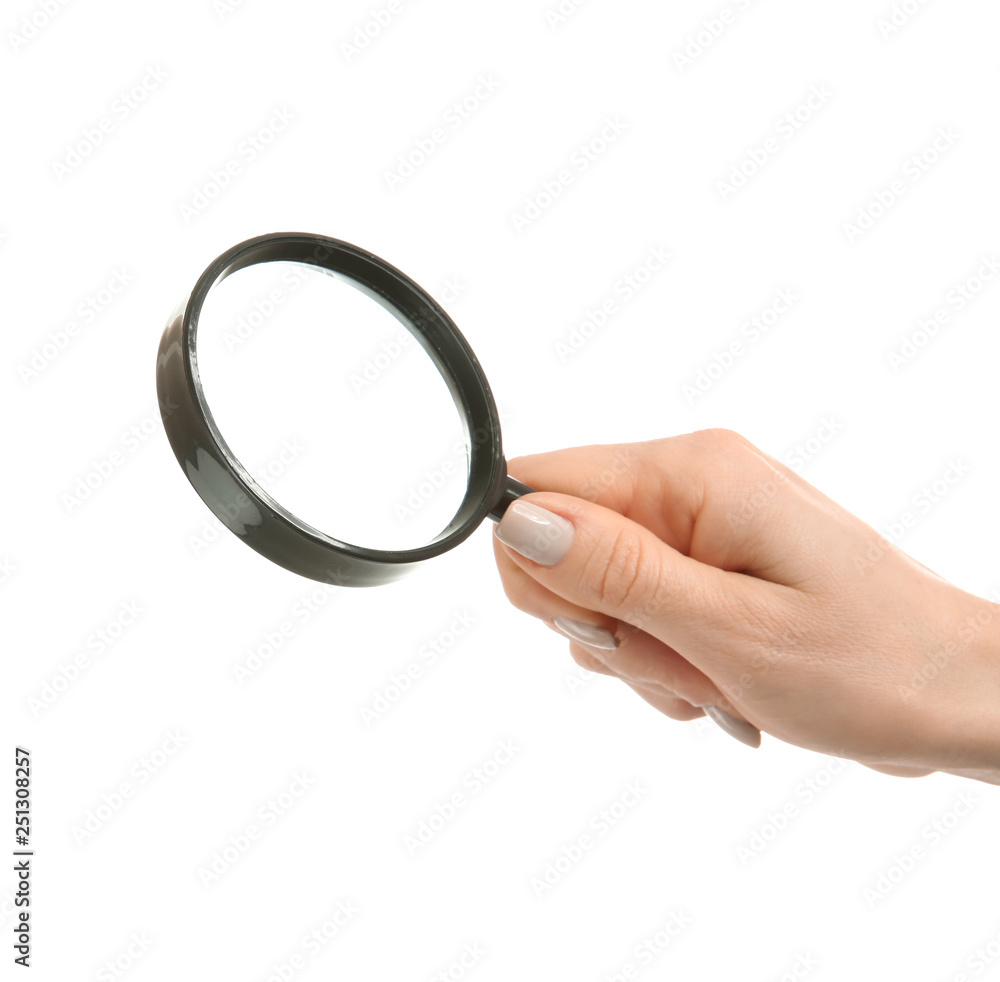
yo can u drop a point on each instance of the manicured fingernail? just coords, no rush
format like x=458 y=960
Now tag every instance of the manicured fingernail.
x=588 y=634
x=536 y=533
x=739 y=729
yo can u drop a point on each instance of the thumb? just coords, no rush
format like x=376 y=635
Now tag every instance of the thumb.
x=600 y=560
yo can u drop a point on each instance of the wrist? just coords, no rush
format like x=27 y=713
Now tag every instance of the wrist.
x=961 y=677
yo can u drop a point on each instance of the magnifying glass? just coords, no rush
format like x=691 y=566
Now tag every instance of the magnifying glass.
x=292 y=334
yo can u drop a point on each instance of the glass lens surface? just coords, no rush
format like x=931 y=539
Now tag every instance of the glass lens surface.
x=331 y=405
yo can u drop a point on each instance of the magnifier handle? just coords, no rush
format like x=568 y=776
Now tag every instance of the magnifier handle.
x=512 y=492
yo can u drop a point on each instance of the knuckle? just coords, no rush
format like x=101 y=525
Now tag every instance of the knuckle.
x=587 y=661
x=618 y=572
x=720 y=438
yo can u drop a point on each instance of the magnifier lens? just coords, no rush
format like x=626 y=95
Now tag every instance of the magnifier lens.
x=331 y=405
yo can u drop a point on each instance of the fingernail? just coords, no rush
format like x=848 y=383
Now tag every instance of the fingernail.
x=739 y=729
x=535 y=532
x=588 y=634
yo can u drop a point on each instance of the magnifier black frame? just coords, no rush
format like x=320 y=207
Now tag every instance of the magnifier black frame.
x=241 y=504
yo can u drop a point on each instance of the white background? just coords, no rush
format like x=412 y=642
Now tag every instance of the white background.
x=752 y=908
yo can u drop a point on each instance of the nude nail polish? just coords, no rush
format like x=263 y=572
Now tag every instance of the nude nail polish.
x=588 y=634
x=738 y=729
x=535 y=532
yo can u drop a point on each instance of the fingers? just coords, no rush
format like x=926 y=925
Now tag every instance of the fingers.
x=665 y=679
x=662 y=676
x=894 y=770
x=630 y=652
x=527 y=595
x=597 y=560
x=642 y=660
x=588 y=661
x=658 y=697
x=710 y=495
x=671 y=706
x=632 y=479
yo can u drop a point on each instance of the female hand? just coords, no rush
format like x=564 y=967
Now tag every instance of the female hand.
x=710 y=577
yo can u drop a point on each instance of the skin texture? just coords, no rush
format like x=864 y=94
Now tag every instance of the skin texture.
x=729 y=581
